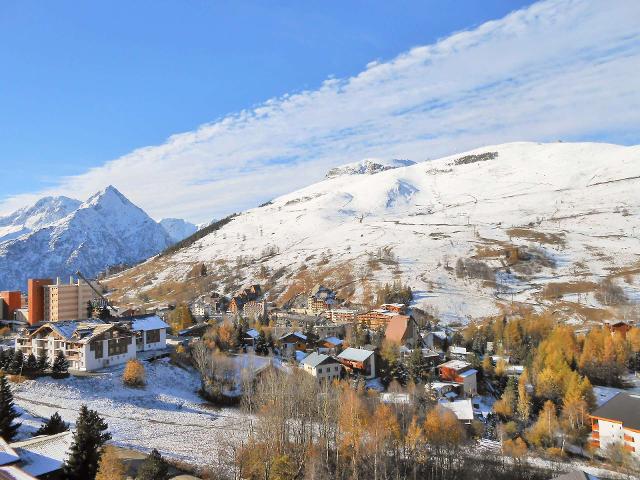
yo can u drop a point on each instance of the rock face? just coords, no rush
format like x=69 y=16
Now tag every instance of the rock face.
x=368 y=166
x=177 y=228
x=61 y=235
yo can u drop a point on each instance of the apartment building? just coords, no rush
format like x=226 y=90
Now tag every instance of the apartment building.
x=66 y=301
x=35 y=292
x=618 y=422
x=11 y=301
x=87 y=345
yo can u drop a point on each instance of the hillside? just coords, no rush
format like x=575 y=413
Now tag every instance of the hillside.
x=533 y=224
x=107 y=229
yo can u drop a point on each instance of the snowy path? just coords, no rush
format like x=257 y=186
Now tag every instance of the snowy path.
x=167 y=414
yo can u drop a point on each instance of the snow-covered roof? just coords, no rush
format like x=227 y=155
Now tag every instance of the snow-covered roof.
x=153 y=322
x=333 y=340
x=316 y=359
x=457 y=350
x=253 y=333
x=355 y=354
x=43 y=454
x=297 y=334
x=440 y=334
x=7 y=454
x=81 y=331
x=396 y=398
x=14 y=473
x=455 y=364
x=463 y=409
x=468 y=373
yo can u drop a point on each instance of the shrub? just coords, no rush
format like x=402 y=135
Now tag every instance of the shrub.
x=134 y=375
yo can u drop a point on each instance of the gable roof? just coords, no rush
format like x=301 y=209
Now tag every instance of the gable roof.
x=455 y=364
x=7 y=454
x=463 y=409
x=316 y=359
x=151 y=322
x=43 y=454
x=14 y=473
x=81 y=331
x=355 y=354
x=333 y=341
x=623 y=407
x=296 y=334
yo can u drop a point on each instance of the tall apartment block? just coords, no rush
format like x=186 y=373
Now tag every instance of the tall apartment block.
x=12 y=301
x=56 y=302
x=35 y=292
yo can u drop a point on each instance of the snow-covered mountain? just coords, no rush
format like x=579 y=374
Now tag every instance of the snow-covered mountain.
x=177 y=228
x=107 y=229
x=43 y=213
x=447 y=227
x=368 y=166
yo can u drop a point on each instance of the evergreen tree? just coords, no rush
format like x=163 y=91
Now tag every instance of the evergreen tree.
x=154 y=467
x=8 y=412
x=31 y=365
x=261 y=344
x=104 y=313
x=6 y=360
x=60 y=364
x=53 y=425
x=312 y=337
x=417 y=366
x=43 y=361
x=84 y=454
x=89 y=309
x=16 y=362
x=3 y=357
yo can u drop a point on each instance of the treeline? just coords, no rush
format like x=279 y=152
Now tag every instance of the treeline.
x=203 y=232
x=302 y=429
x=15 y=363
x=396 y=292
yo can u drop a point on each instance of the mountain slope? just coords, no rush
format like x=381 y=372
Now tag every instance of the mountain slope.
x=177 y=228
x=43 y=213
x=471 y=233
x=107 y=229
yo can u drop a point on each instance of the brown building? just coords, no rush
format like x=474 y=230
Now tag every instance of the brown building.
x=35 y=291
x=66 y=301
x=12 y=301
x=374 y=319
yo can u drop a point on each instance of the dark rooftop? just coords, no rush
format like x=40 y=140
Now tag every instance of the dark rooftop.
x=624 y=407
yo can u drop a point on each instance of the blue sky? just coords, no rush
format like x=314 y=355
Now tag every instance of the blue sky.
x=90 y=86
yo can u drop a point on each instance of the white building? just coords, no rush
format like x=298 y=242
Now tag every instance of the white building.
x=87 y=345
x=323 y=367
x=38 y=457
x=463 y=409
x=359 y=361
x=150 y=332
x=618 y=422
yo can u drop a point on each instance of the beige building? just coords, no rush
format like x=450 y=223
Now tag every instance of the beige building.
x=66 y=301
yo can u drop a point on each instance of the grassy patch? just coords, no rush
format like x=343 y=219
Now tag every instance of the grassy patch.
x=537 y=236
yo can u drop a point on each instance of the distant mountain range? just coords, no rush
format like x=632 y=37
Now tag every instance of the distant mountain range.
x=58 y=236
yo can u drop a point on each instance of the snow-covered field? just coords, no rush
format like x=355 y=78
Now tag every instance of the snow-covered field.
x=167 y=414
x=576 y=203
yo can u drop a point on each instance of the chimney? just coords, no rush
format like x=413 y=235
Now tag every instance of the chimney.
x=57 y=280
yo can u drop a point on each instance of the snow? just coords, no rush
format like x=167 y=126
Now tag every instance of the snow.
x=432 y=213
x=177 y=228
x=105 y=230
x=148 y=323
x=167 y=414
x=355 y=354
x=463 y=409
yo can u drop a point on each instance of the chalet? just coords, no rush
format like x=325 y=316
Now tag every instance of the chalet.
x=375 y=319
x=402 y=330
x=618 y=422
x=342 y=315
x=290 y=342
x=150 y=332
x=359 y=361
x=321 y=299
x=251 y=337
x=459 y=371
x=463 y=409
x=323 y=367
x=397 y=308
x=38 y=457
x=87 y=345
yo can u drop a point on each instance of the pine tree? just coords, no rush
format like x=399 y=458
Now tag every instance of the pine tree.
x=154 y=467
x=60 y=364
x=84 y=454
x=6 y=360
x=16 y=362
x=89 y=309
x=111 y=467
x=53 y=425
x=417 y=366
x=261 y=344
x=43 y=361
x=8 y=412
x=31 y=365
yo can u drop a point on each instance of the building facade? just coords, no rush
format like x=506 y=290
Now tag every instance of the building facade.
x=617 y=422
x=323 y=367
x=66 y=301
x=35 y=292
x=12 y=301
x=87 y=345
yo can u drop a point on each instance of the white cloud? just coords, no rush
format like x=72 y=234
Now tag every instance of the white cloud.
x=557 y=70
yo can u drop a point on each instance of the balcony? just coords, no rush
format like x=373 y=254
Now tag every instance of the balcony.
x=595 y=435
x=595 y=443
x=595 y=427
x=628 y=438
x=629 y=448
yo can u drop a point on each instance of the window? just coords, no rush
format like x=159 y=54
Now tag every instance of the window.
x=98 y=348
x=118 y=346
x=153 y=336
x=320 y=370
